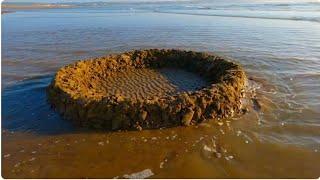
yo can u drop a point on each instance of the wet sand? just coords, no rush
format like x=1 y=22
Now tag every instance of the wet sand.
x=217 y=149
x=146 y=83
x=215 y=152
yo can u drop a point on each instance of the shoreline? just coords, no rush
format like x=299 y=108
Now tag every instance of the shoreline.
x=6 y=12
x=6 y=7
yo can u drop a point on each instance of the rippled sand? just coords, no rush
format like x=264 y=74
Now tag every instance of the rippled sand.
x=146 y=83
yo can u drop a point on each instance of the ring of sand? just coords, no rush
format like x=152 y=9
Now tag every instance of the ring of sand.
x=148 y=89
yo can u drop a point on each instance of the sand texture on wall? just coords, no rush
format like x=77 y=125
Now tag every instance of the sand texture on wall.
x=146 y=89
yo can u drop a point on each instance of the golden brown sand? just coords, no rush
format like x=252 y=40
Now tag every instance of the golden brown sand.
x=145 y=83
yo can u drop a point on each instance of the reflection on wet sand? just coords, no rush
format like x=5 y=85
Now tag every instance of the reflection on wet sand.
x=197 y=152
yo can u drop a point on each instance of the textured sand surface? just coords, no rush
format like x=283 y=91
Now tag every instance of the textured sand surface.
x=136 y=90
x=145 y=83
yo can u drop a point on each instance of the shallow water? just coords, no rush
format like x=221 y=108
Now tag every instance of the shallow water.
x=278 y=138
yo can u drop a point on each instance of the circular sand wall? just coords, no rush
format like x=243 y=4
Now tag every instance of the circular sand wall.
x=101 y=92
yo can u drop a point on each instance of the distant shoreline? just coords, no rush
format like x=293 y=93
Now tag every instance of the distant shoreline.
x=6 y=12
x=5 y=7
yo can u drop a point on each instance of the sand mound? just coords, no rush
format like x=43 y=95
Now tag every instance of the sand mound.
x=148 y=89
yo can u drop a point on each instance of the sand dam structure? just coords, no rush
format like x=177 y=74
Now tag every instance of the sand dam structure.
x=147 y=89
